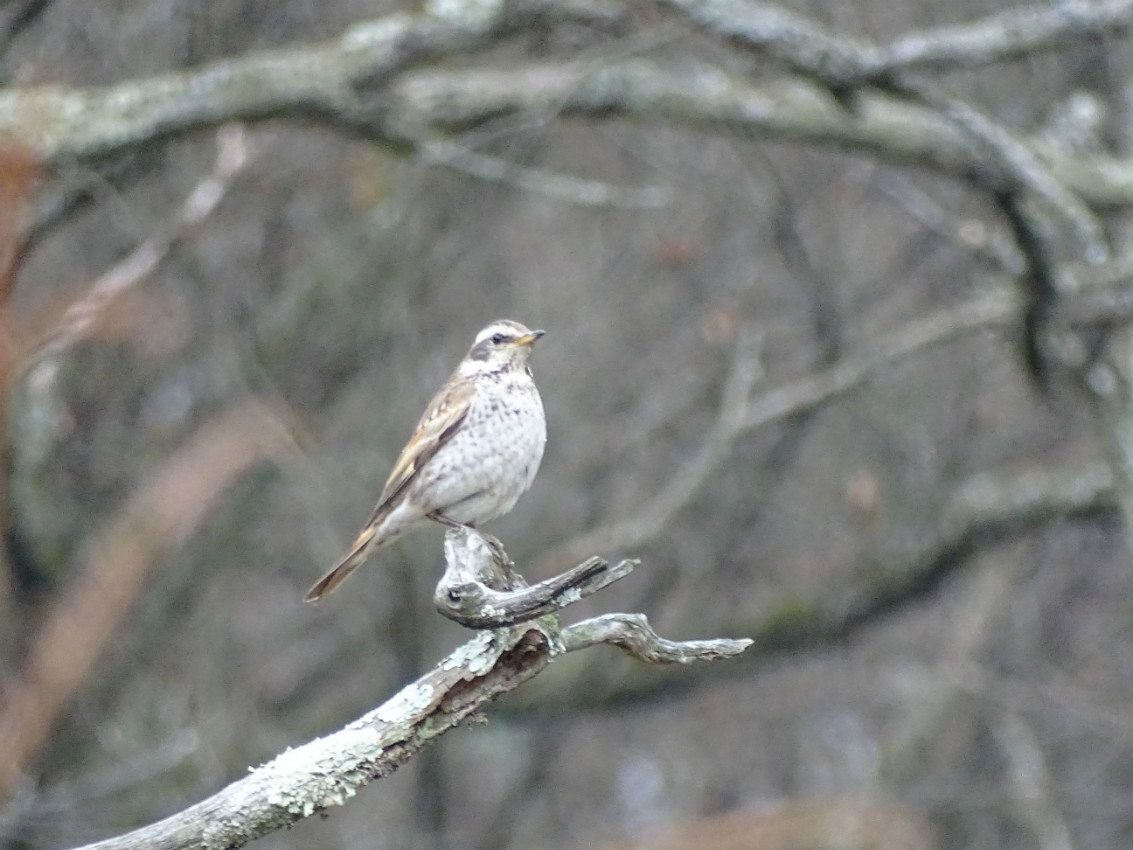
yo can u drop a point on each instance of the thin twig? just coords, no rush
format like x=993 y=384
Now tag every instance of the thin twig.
x=742 y=412
x=579 y=191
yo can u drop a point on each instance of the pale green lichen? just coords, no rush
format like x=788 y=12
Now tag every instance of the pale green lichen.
x=477 y=656
x=472 y=14
x=570 y=596
x=301 y=782
x=376 y=33
x=407 y=702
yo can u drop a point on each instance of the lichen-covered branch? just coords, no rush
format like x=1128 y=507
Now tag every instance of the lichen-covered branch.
x=332 y=81
x=702 y=96
x=329 y=771
x=379 y=78
x=1009 y=34
x=813 y=50
x=847 y=67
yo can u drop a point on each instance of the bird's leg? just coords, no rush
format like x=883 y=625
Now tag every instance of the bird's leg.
x=437 y=516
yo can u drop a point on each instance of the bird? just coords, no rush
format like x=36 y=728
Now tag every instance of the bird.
x=474 y=452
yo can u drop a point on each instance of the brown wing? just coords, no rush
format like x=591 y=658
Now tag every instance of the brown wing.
x=438 y=423
x=441 y=418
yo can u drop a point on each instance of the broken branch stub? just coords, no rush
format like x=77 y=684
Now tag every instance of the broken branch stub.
x=480 y=590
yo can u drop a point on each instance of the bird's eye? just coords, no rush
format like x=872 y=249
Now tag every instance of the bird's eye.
x=497 y=339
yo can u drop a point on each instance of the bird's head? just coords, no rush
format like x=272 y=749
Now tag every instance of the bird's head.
x=502 y=346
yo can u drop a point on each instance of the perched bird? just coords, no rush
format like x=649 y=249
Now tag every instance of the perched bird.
x=475 y=451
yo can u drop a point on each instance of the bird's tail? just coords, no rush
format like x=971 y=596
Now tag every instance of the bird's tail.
x=342 y=570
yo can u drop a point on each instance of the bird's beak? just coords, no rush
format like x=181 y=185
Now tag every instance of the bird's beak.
x=530 y=338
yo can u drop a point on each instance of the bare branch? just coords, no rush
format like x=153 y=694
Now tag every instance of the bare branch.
x=1042 y=284
x=798 y=42
x=1110 y=385
x=563 y=187
x=982 y=512
x=1022 y=169
x=742 y=412
x=632 y=633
